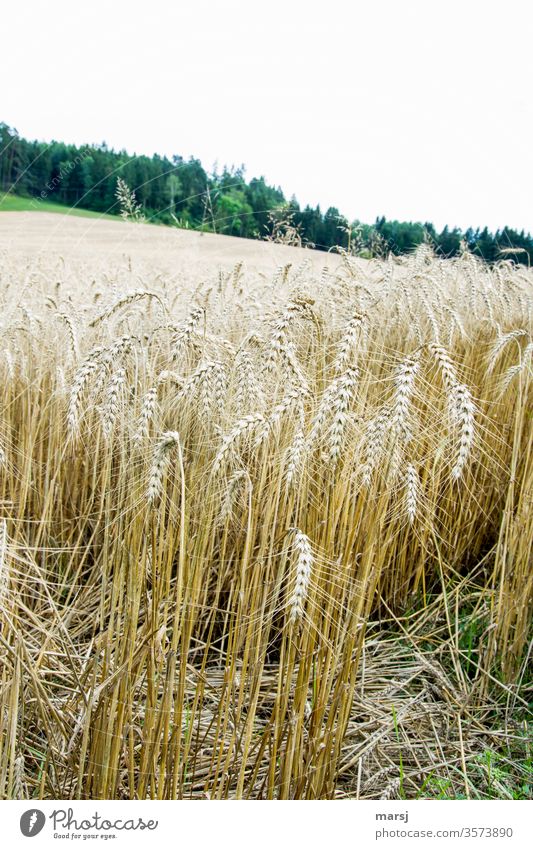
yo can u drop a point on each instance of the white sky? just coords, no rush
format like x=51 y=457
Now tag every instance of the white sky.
x=417 y=110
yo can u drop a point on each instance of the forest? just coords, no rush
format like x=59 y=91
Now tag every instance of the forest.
x=180 y=192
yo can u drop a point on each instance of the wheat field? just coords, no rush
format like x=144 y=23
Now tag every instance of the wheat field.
x=266 y=524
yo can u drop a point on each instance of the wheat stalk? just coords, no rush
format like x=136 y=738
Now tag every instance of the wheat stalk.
x=464 y=410
x=160 y=460
x=412 y=486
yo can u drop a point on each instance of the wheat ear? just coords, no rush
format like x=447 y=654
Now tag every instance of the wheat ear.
x=303 y=566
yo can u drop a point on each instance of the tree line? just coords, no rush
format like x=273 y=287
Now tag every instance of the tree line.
x=181 y=192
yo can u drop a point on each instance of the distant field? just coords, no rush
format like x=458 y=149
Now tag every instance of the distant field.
x=175 y=252
x=14 y=203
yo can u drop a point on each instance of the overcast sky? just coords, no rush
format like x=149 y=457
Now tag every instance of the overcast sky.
x=413 y=110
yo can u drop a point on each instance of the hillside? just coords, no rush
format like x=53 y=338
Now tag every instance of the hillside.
x=174 y=250
x=175 y=190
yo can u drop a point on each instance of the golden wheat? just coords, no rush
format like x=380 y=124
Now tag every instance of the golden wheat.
x=237 y=542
